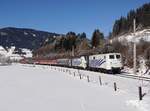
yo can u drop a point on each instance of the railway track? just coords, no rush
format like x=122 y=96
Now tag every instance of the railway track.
x=125 y=75
x=133 y=77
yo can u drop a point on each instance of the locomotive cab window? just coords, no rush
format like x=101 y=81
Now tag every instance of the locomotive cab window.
x=118 y=56
x=111 y=57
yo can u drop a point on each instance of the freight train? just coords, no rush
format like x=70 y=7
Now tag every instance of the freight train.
x=108 y=63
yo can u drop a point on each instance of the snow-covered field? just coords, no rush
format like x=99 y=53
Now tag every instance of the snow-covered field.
x=49 y=88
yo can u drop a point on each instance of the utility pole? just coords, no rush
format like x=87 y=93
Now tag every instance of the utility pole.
x=73 y=51
x=134 y=47
x=134 y=60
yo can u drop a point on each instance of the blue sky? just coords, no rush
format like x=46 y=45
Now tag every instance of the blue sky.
x=62 y=16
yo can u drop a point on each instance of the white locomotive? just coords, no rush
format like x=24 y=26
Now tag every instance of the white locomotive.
x=110 y=62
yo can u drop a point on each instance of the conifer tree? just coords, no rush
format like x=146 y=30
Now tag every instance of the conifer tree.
x=97 y=37
x=125 y=24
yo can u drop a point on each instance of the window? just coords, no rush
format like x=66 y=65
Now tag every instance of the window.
x=111 y=56
x=118 y=56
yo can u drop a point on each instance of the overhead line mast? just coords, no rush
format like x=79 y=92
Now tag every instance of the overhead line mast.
x=134 y=47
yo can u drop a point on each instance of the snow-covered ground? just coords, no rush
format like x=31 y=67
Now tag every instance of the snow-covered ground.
x=143 y=70
x=49 y=88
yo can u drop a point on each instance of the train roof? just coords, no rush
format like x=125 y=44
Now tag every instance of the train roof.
x=105 y=54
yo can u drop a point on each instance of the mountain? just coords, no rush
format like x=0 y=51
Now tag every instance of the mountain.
x=23 y=38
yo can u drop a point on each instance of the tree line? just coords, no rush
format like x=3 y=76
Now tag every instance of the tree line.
x=71 y=41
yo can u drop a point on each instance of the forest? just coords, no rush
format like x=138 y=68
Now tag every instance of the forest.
x=125 y=24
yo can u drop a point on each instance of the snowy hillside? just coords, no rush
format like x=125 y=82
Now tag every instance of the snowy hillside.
x=45 y=88
x=142 y=49
x=144 y=34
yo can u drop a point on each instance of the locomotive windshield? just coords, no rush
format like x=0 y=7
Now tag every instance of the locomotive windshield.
x=111 y=57
x=118 y=56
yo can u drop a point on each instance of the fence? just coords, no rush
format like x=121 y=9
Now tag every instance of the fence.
x=115 y=82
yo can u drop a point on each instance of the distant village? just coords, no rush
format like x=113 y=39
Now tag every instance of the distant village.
x=8 y=55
